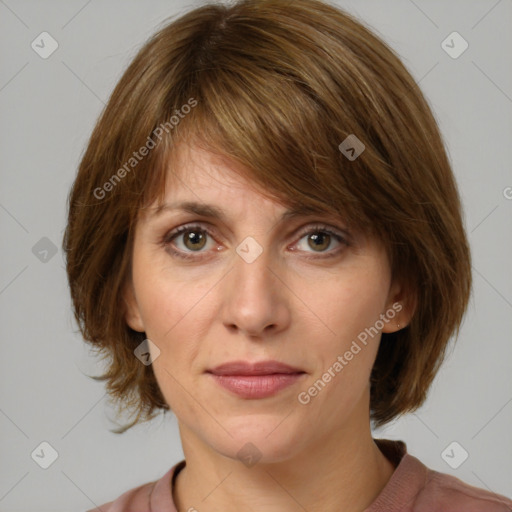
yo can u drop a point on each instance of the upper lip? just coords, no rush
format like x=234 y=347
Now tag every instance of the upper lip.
x=258 y=368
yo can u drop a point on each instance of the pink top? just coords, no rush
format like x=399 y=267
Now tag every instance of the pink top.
x=412 y=488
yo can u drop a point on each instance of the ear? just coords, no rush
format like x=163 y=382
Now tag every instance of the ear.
x=132 y=312
x=400 y=307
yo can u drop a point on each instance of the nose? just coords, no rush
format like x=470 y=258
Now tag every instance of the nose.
x=255 y=300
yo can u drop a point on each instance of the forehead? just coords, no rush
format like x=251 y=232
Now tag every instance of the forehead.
x=191 y=165
x=196 y=177
x=211 y=185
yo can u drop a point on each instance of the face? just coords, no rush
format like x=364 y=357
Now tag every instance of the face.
x=253 y=287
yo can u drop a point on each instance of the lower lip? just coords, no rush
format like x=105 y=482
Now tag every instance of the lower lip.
x=257 y=386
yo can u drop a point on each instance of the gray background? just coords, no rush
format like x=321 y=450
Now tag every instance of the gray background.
x=48 y=108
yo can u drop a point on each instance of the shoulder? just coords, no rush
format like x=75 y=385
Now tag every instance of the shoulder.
x=414 y=487
x=134 y=500
x=453 y=495
x=150 y=496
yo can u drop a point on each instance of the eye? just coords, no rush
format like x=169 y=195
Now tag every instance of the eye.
x=319 y=238
x=194 y=238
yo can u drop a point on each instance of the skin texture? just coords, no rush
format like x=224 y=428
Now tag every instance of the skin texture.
x=283 y=306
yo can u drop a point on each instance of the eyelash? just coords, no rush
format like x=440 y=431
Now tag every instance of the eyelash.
x=319 y=228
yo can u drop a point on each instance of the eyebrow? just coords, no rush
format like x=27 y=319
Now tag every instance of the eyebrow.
x=214 y=212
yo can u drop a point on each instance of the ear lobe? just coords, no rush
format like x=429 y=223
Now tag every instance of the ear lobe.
x=132 y=312
x=399 y=309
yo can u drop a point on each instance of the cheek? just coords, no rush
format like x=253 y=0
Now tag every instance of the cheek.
x=349 y=304
x=344 y=305
x=174 y=316
x=167 y=298
x=176 y=311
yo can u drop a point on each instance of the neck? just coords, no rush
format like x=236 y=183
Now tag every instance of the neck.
x=344 y=471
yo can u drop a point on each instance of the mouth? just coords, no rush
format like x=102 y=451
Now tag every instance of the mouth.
x=255 y=380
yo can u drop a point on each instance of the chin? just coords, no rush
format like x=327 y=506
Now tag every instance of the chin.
x=256 y=437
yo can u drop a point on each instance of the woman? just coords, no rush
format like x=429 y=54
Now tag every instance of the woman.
x=265 y=237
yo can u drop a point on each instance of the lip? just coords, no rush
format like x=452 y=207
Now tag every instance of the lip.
x=258 y=368
x=255 y=380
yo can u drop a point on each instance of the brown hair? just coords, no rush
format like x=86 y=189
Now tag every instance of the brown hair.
x=275 y=86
